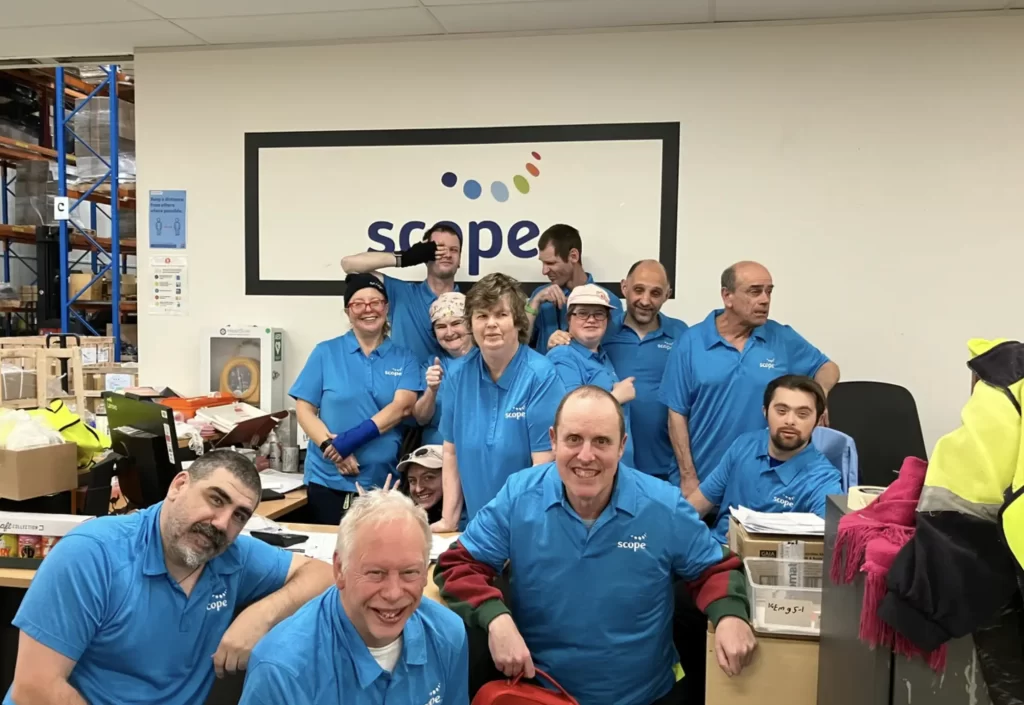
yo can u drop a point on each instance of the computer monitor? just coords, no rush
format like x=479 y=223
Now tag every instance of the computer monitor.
x=143 y=433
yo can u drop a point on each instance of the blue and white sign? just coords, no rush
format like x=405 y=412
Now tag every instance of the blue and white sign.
x=167 y=221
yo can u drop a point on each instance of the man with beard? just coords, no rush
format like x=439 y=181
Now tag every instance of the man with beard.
x=441 y=251
x=719 y=368
x=561 y=256
x=371 y=637
x=593 y=547
x=774 y=470
x=139 y=608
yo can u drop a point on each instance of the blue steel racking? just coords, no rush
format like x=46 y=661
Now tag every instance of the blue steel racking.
x=62 y=125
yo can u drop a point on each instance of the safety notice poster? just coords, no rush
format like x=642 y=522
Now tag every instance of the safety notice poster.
x=167 y=221
x=169 y=281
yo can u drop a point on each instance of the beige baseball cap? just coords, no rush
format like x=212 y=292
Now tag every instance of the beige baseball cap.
x=589 y=294
x=428 y=456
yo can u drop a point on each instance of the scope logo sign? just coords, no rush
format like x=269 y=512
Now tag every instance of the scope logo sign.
x=497 y=187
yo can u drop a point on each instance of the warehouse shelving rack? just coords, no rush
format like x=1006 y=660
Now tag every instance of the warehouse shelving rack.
x=71 y=234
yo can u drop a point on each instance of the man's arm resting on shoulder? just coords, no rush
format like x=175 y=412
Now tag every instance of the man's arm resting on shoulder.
x=679 y=435
x=306 y=579
x=827 y=376
x=41 y=676
x=700 y=503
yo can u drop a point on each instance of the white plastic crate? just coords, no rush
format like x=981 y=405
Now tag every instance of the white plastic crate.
x=785 y=595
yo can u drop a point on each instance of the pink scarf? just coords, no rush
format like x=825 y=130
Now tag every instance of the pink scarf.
x=869 y=540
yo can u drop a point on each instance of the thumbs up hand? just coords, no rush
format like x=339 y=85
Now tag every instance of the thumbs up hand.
x=624 y=390
x=435 y=374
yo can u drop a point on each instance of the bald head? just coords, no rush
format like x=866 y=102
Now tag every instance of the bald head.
x=747 y=293
x=646 y=289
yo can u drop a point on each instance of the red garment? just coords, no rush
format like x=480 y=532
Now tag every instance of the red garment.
x=868 y=541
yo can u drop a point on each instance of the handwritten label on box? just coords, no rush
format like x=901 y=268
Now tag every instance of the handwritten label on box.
x=791 y=613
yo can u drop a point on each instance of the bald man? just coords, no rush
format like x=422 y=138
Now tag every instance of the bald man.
x=638 y=345
x=716 y=376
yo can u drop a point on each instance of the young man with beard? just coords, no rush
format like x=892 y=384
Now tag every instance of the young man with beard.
x=777 y=469
x=139 y=608
x=370 y=638
x=593 y=548
x=441 y=251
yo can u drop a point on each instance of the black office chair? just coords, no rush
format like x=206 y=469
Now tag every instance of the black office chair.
x=882 y=419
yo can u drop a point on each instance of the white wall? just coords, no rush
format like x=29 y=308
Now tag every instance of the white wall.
x=876 y=169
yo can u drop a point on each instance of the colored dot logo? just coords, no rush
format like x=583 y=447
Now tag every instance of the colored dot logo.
x=472 y=189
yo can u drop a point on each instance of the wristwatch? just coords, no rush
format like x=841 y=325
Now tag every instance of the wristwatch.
x=325 y=445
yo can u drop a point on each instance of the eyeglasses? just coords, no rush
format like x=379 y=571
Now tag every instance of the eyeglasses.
x=596 y=315
x=358 y=307
x=418 y=453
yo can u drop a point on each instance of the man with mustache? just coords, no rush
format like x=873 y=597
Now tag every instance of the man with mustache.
x=718 y=370
x=371 y=637
x=139 y=608
x=777 y=469
x=441 y=250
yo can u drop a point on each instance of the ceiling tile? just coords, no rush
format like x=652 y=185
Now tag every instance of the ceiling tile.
x=91 y=39
x=37 y=13
x=752 y=10
x=568 y=14
x=314 y=26
x=179 y=9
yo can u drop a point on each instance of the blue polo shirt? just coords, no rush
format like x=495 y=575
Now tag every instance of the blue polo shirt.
x=349 y=387
x=551 y=318
x=409 y=313
x=316 y=657
x=496 y=426
x=577 y=366
x=103 y=599
x=595 y=606
x=721 y=390
x=747 y=477
x=432 y=431
x=646 y=360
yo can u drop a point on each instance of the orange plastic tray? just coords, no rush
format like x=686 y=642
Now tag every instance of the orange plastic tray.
x=188 y=406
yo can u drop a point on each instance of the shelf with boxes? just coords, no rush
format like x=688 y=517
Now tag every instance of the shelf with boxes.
x=92 y=158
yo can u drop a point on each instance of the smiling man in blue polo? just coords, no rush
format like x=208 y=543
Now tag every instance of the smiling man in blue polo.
x=370 y=638
x=139 y=608
x=593 y=548
x=777 y=469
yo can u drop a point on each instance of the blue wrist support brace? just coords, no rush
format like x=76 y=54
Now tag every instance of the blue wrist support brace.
x=354 y=438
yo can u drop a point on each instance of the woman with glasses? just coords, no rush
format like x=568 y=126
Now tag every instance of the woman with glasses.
x=582 y=361
x=350 y=398
x=448 y=319
x=498 y=405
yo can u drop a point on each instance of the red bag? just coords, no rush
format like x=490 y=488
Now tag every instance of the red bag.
x=512 y=692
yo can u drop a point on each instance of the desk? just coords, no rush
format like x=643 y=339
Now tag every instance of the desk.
x=274 y=508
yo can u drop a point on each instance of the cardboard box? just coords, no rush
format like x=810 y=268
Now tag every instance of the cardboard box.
x=31 y=524
x=784 y=672
x=17 y=383
x=37 y=472
x=79 y=281
x=747 y=545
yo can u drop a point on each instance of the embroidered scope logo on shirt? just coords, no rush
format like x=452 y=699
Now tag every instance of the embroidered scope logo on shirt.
x=785 y=500
x=218 y=602
x=394 y=372
x=665 y=346
x=636 y=543
x=517 y=412
x=769 y=364
x=435 y=696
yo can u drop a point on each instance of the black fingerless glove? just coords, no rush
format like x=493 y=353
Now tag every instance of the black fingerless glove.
x=420 y=253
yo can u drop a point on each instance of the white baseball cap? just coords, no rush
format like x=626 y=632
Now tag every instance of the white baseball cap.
x=428 y=456
x=589 y=294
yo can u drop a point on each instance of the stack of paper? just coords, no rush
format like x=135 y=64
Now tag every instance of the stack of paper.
x=440 y=544
x=260 y=523
x=789 y=523
x=280 y=481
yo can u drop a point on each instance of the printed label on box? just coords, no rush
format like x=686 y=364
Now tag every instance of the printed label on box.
x=88 y=356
